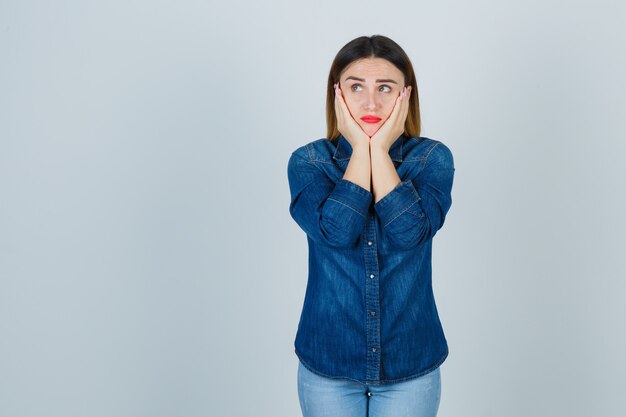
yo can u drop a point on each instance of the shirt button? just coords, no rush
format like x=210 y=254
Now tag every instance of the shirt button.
x=369 y=243
x=373 y=313
x=373 y=349
x=371 y=275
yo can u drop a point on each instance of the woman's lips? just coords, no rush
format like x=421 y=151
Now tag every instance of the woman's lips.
x=371 y=119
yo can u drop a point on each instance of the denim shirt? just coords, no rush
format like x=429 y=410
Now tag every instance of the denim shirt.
x=369 y=313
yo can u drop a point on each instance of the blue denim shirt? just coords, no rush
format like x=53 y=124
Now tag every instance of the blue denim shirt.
x=369 y=313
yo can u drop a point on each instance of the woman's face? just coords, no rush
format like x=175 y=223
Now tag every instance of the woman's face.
x=370 y=87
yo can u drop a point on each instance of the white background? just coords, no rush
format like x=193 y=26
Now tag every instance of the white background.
x=148 y=262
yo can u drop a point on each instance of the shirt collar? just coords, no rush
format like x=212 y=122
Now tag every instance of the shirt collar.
x=344 y=149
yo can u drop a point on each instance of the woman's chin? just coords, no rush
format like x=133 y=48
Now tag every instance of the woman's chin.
x=370 y=129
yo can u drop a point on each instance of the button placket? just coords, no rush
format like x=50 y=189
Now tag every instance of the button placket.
x=372 y=300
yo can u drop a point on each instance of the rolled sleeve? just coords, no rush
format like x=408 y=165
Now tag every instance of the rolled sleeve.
x=396 y=202
x=330 y=213
x=352 y=195
x=416 y=208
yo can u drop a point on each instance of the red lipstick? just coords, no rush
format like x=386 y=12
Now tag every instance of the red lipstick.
x=371 y=119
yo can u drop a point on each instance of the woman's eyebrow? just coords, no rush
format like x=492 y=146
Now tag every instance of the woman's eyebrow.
x=386 y=80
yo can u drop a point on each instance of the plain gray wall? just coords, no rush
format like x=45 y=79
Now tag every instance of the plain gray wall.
x=148 y=262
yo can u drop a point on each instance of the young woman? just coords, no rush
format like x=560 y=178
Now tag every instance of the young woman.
x=370 y=197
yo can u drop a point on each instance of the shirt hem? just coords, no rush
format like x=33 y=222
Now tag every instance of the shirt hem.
x=379 y=382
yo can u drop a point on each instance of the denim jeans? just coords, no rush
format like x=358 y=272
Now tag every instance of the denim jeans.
x=329 y=397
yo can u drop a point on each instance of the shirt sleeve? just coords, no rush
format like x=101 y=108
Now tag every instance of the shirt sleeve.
x=416 y=208
x=328 y=212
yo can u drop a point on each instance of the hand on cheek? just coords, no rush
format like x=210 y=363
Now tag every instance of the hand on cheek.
x=394 y=125
x=346 y=124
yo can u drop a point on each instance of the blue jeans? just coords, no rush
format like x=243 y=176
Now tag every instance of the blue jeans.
x=328 y=397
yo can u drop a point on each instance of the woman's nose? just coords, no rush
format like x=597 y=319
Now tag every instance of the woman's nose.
x=371 y=102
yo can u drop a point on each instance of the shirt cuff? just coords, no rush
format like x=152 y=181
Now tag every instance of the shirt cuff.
x=352 y=195
x=396 y=202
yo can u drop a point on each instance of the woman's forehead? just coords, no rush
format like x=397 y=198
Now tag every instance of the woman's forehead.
x=372 y=70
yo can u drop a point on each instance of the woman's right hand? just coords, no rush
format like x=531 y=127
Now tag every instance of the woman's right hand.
x=346 y=124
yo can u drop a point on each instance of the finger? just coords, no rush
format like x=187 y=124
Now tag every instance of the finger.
x=343 y=105
x=405 y=99
x=405 y=111
x=396 y=108
x=337 y=95
x=338 y=103
x=404 y=104
x=341 y=109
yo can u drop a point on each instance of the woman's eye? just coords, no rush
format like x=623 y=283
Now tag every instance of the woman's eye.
x=354 y=86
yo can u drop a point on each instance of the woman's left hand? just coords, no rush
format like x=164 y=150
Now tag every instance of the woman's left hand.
x=394 y=125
